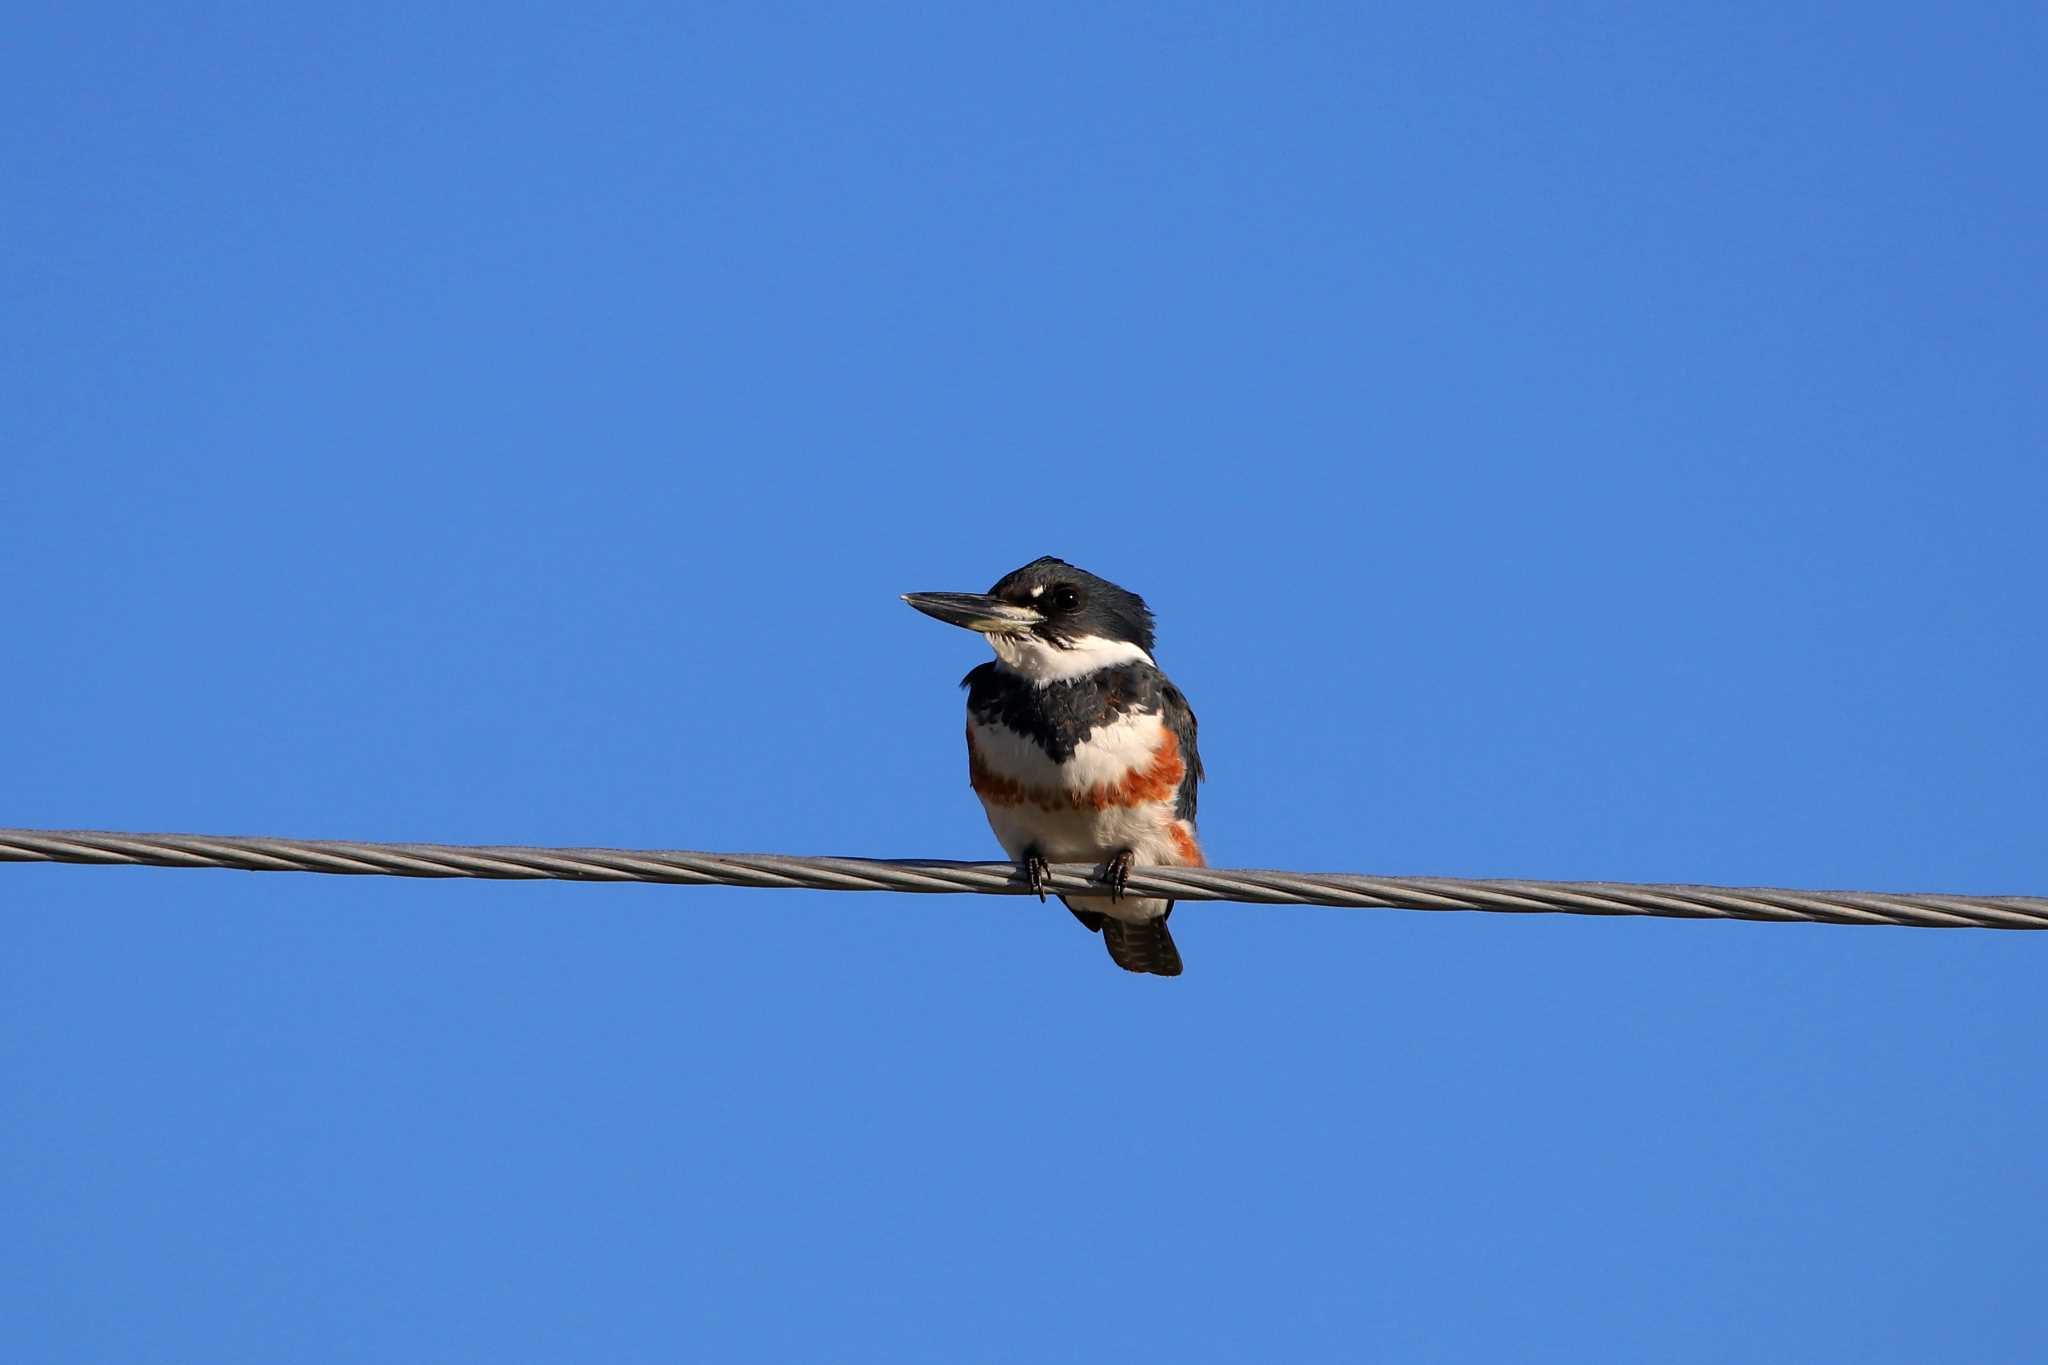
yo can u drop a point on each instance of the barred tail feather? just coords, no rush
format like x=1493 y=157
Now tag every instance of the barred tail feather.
x=1142 y=945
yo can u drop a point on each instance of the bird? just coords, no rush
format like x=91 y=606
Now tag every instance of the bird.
x=1080 y=749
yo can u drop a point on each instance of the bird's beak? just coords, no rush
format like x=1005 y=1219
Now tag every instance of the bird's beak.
x=975 y=611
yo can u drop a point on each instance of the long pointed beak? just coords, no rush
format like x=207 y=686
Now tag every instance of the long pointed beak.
x=975 y=611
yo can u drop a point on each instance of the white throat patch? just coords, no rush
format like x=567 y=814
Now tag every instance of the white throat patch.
x=1042 y=663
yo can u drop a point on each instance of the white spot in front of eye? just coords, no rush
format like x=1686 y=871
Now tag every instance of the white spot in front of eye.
x=1038 y=591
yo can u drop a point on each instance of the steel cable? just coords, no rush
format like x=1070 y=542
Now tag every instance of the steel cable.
x=348 y=857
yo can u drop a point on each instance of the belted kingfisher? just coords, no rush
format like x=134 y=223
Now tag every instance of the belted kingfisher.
x=1079 y=747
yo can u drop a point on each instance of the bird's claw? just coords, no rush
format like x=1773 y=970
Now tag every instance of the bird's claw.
x=1117 y=872
x=1036 y=871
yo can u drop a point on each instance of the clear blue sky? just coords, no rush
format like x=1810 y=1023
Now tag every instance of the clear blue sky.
x=1605 y=441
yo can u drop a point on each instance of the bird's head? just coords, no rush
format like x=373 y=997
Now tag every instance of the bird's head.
x=1050 y=620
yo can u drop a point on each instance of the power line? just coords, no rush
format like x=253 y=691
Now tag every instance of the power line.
x=1928 y=910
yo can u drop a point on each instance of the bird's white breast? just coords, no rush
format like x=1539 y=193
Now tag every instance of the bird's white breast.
x=1118 y=790
x=1106 y=757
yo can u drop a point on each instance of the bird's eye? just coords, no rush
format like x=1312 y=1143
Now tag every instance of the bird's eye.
x=1065 y=598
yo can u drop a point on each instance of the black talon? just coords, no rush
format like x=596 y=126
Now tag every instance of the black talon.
x=1036 y=871
x=1117 y=872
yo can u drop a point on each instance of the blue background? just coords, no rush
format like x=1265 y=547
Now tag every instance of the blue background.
x=1603 y=441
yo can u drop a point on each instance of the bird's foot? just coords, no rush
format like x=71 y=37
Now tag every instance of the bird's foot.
x=1117 y=872
x=1036 y=871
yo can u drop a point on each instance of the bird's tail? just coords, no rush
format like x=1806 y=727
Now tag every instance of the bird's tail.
x=1141 y=945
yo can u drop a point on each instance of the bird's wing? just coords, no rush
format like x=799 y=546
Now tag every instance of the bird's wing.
x=1179 y=717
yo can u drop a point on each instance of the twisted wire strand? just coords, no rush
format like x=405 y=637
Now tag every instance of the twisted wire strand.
x=349 y=857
